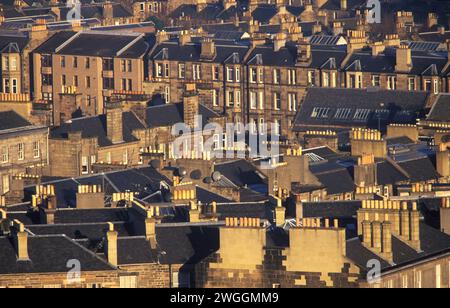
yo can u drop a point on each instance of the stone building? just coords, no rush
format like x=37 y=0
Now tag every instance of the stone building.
x=114 y=138
x=77 y=77
x=24 y=152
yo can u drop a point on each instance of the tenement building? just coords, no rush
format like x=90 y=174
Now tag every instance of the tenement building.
x=77 y=77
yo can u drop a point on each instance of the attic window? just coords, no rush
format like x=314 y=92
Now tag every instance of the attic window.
x=343 y=113
x=320 y=113
x=362 y=114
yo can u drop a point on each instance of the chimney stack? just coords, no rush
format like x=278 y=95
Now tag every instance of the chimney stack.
x=405 y=222
x=403 y=59
x=442 y=161
x=162 y=36
x=90 y=197
x=279 y=41
x=366 y=171
x=191 y=106
x=344 y=6
x=378 y=48
x=415 y=226
x=114 y=123
x=184 y=37
x=208 y=49
x=280 y=212
x=150 y=229
x=303 y=52
x=376 y=236
x=444 y=214
x=194 y=212
x=20 y=241
x=111 y=245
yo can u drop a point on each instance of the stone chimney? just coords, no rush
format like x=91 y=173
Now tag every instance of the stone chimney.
x=377 y=235
x=208 y=49
x=48 y=211
x=356 y=40
x=405 y=222
x=108 y=10
x=184 y=38
x=432 y=20
x=344 y=6
x=191 y=106
x=162 y=36
x=442 y=161
x=403 y=59
x=377 y=48
x=368 y=141
x=150 y=228
x=303 y=52
x=280 y=212
x=114 y=122
x=20 y=241
x=403 y=130
x=444 y=214
x=90 y=197
x=111 y=245
x=194 y=212
x=279 y=41
x=392 y=40
x=366 y=171
x=338 y=28
x=253 y=26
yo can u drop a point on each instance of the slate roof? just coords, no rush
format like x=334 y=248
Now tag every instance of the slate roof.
x=393 y=107
x=336 y=181
x=388 y=174
x=441 y=109
x=432 y=242
x=107 y=45
x=171 y=50
x=135 y=250
x=170 y=114
x=385 y=62
x=11 y=120
x=48 y=254
x=146 y=181
x=186 y=244
x=335 y=209
x=241 y=173
x=94 y=11
x=286 y=56
x=261 y=210
x=95 y=127
x=420 y=170
x=50 y=45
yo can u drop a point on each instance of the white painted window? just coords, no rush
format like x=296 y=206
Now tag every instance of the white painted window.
x=196 y=72
x=215 y=98
x=36 y=149
x=128 y=282
x=84 y=165
x=292 y=101
x=20 y=151
x=5 y=155
x=5 y=183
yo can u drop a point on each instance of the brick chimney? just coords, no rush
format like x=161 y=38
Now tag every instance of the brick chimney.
x=191 y=106
x=403 y=59
x=20 y=241
x=111 y=245
x=366 y=171
x=114 y=123
x=444 y=214
x=442 y=161
x=208 y=49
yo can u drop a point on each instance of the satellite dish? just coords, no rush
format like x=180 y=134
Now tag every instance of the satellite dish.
x=196 y=175
x=216 y=176
x=208 y=180
x=156 y=163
